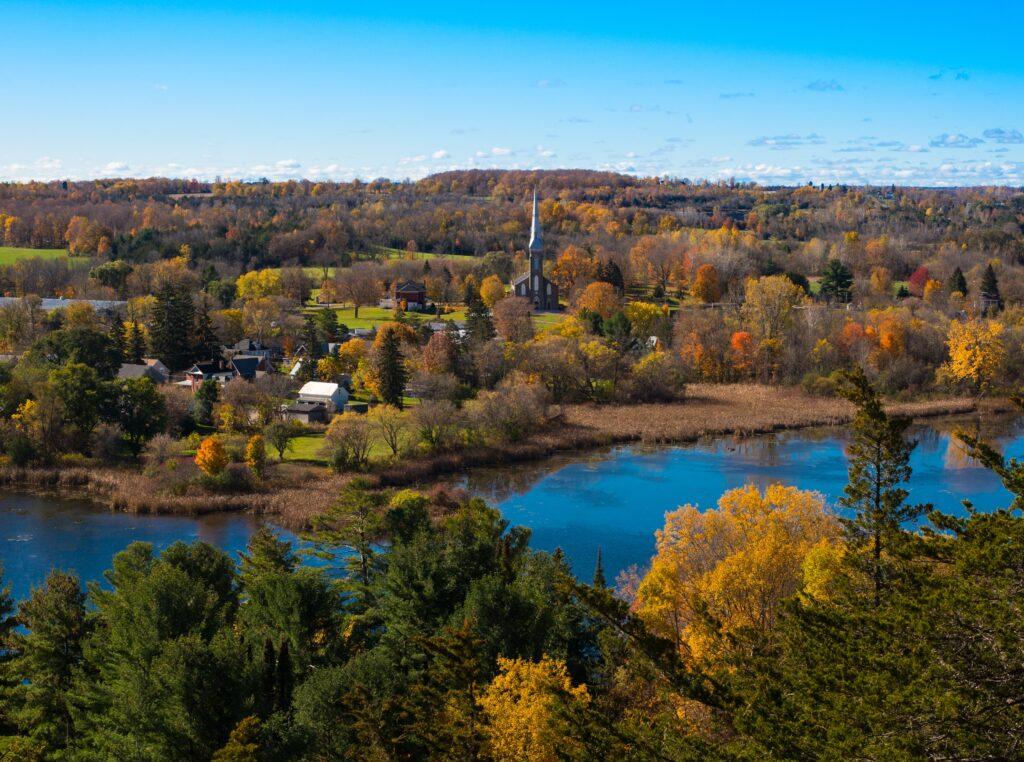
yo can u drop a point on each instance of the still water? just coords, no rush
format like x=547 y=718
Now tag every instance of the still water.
x=613 y=500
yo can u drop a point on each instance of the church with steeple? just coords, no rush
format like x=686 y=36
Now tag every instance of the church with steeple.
x=532 y=285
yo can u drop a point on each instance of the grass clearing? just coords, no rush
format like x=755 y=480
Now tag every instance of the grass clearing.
x=370 y=317
x=391 y=253
x=544 y=320
x=11 y=254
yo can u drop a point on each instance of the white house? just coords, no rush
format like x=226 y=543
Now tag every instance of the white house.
x=334 y=396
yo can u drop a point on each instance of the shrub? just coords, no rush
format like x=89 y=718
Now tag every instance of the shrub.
x=256 y=455
x=159 y=450
x=437 y=424
x=211 y=457
x=509 y=413
x=657 y=377
x=347 y=443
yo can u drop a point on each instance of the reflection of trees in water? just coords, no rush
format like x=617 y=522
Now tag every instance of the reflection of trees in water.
x=500 y=483
x=765 y=451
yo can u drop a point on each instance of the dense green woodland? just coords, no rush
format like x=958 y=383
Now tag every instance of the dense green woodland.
x=434 y=632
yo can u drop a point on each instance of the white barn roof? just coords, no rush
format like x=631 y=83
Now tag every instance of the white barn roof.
x=318 y=389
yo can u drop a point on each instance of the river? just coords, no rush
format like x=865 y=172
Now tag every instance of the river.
x=613 y=499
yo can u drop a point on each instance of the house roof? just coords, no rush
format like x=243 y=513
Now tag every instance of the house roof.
x=130 y=370
x=303 y=407
x=319 y=389
x=410 y=285
x=246 y=366
x=206 y=368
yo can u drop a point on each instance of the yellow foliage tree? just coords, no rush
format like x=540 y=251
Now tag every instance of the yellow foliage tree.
x=599 y=297
x=350 y=353
x=738 y=563
x=492 y=290
x=573 y=267
x=258 y=283
x=211 y=457
x=522 y=709
x=976 y=353
x=644 y=317
x=705 y=286
x=256 y=455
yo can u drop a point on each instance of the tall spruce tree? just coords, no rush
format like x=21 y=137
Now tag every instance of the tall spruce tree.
x=879 y=463
x=135 y=347
x=990 y=289
x=957 y=282
x=479 y=326
x=206 y=344
x=599 y=578
x=390 y=370
x=170 y=337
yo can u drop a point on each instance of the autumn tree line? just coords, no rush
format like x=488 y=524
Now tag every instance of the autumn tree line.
x=765 y=627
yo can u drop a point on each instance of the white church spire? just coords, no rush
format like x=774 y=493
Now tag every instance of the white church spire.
x=536 y=237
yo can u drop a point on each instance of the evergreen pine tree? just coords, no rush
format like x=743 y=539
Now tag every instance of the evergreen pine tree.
x=836 y=281
x=610 y=272
x=879 y=463
x=118 y=338
x=957 y=282
x=390 y=370
x=990 y=289
x=9 y=680
x=172 y=322
x=135 y=349
x=50 y=656
x=311 y=338
x=599 y=579
x=207 y=345
x=285 y=678
x=479 y=327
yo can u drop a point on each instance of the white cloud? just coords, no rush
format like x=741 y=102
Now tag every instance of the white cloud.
x=954 y=140
x=786 y=142
x=116 y=166
x=439 y=154
x=286 y=165
x=496 y=151
x=1001 y=135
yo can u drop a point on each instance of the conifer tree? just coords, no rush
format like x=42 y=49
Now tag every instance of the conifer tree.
x=50 y=656
x=836 y=281
x=207 y=345
x=599 y=579
x=172 y=323
x=389 y=370
x=990 y=288
x=479 y=327
x=957 y=282
x=135 y=348
x=879 y=463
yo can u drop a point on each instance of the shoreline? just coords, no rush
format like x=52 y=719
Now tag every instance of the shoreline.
x=302 y=491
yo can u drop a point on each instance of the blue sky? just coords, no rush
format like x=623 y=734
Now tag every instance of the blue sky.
x=906 y=93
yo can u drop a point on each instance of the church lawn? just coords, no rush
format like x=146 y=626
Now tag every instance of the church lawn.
x=370 y=317
x=11 y=254
x=544 y=320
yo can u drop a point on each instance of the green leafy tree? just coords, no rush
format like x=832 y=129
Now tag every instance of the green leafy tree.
x=79 y=344
x=204 y=401
x=141 y=412
x=85 y=397
x=280 y=435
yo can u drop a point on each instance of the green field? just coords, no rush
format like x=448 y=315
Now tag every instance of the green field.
x=402 y=254
x=370 y=317
x=11 y=254
x=547 y=320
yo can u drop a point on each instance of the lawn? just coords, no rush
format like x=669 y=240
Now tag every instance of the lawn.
x=544 y=320
x=402 y=254
x=305 y=448
x=370 y=317
x=11 y=254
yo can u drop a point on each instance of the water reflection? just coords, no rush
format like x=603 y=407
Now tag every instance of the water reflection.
x=613 y=499
x=617 y=498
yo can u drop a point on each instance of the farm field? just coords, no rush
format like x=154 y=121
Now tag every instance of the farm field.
x=11 y=254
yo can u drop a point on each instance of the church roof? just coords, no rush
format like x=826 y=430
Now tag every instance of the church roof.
x=536 y=237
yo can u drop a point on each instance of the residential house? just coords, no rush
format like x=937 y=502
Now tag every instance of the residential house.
x=332 y=396
x=217 y=370
x=412 y=293
x=150 y=368
x=305 y=412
